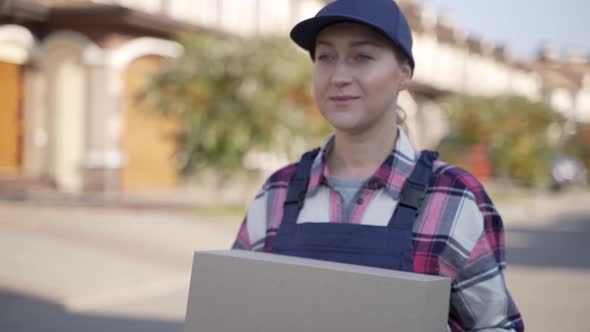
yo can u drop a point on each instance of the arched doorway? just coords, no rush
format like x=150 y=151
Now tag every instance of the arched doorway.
x=149 y=138
x=16 y=45
x=10 y=119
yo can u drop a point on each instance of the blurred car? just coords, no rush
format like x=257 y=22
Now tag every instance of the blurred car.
x=567 y=171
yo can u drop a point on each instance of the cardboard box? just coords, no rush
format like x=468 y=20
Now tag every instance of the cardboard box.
x=241 y=291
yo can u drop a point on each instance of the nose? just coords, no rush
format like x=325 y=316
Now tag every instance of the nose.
x=341 y=76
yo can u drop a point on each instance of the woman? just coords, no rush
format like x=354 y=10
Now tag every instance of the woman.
x=367 y=197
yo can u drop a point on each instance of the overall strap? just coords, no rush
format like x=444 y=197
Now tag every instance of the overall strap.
x=297 y=189
x=413 y=192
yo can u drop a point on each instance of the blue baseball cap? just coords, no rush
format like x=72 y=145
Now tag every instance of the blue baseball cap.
x=382 y=15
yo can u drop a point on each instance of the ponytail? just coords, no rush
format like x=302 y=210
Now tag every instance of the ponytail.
x=402 y=116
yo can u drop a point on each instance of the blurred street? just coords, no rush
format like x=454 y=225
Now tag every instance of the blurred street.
x=93 y=269
x=97 y=269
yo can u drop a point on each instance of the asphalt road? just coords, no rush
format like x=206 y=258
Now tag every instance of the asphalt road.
x=96 y=269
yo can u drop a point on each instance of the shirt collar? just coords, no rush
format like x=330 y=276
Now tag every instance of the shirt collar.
x=391 y=175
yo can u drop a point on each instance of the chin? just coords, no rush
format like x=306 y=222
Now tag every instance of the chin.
x=342 y=119
x=349 y=128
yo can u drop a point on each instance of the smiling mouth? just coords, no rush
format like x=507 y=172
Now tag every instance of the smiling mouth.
x=343 y=98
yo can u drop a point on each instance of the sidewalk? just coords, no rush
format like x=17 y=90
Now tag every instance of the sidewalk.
x=516 y=205
x=183 y=197
x=123 y=263
x=178 y=199
x=192 y=197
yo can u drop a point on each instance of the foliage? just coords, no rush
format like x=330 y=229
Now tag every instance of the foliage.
x=514 y=130
x=237 y=95
x=578 y=144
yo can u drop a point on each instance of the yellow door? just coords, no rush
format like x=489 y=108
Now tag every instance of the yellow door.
x=149 y=140
x=9 y=118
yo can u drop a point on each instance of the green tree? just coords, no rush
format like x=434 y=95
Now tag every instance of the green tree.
x=234 y=95
x=514 y=130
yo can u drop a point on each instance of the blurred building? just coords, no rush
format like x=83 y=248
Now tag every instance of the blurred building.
x=451 y=62
x=71 y=72
x=565 y=82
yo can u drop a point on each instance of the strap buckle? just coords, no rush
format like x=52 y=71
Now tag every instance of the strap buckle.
x=413 y=193
x=297 y=196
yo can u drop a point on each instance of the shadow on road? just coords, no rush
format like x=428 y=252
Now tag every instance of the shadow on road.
x=23 y=313
x=563 y=244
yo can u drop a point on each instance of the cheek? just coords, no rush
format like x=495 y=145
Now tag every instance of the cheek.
x=319 y=83
x=383 y=85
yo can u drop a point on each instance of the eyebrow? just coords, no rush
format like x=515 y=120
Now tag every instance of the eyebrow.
x=353 y=43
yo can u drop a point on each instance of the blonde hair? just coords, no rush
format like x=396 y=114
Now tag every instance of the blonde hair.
x=401 y=117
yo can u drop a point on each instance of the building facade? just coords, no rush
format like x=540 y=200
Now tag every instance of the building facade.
x=71 y=71
x=70 y=77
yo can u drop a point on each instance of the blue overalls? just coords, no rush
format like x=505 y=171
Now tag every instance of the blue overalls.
x=388 y=247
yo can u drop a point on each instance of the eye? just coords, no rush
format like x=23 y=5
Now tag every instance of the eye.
x=325 y=57
x=362 y=57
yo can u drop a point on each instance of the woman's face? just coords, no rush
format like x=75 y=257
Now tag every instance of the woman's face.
x=357 y=77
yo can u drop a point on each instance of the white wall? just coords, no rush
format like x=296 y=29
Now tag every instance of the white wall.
x=65 y=124
x=525 y=83
x=448 y=68
x=242 y=17
x=562 y=100
x=424 y=50
x=582 y=105
x=452 y=68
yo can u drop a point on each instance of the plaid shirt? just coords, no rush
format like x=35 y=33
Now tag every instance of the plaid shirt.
x=458 y=232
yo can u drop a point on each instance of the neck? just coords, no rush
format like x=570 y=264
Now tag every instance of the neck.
x=358 y=155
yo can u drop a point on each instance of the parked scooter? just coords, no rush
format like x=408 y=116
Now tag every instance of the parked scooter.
x=567 y=171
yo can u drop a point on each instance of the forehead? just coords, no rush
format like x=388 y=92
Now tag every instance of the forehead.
x=352 y=32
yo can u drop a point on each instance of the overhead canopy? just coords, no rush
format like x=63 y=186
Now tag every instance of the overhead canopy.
x=43 y=16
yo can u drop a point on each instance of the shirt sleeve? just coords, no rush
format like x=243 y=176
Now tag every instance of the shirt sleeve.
x=242 y=241
x=480 y=300
x=265 y=212
x=252 y=233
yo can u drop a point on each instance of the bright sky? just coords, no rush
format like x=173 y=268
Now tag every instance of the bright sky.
x=523 y=25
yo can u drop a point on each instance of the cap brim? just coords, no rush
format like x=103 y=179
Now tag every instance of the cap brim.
x=305 y=32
